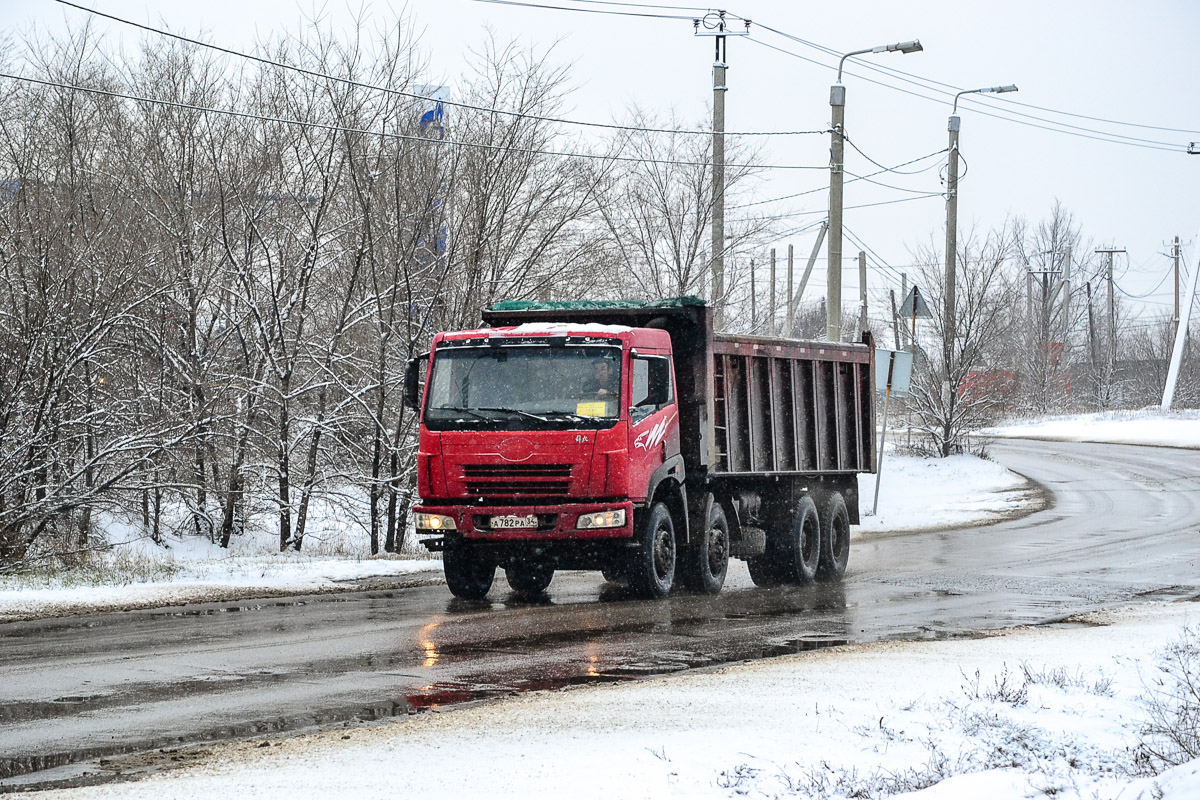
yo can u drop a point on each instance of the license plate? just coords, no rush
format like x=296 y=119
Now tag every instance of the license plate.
x=513 y=521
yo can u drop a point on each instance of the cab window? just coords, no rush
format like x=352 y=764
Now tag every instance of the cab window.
x=651 y=389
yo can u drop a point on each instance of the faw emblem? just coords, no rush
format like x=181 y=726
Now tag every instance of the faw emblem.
x=650 y=438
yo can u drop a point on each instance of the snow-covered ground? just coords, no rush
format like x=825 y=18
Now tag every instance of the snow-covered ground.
x=137 y=573
x=1035 y=712
x=1145 y=426
x=1055 y=711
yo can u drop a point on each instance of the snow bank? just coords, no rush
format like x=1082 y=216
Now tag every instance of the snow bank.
x=1149 y=426
x=1050 y=711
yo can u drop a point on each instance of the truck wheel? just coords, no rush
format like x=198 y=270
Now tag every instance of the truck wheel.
x=798 y=544
x=651 y=569
x=468 y=575
x=835 y=538
x=529 y=579
x=703 y=566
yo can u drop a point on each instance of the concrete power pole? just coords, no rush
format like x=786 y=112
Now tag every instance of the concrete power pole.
x=771 y=318
x=1112 y=309
x=948 y=324
x=863 y=325
x=714 y=25
x=791 y=312
x=1175 y=319
x=837 y=146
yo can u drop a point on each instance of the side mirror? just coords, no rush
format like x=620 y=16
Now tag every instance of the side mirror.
x=413 y=383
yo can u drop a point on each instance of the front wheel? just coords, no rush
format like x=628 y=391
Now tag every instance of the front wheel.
x=835 y=538
x=468 y=574
x=530 y=580
x=703 y=566
x=651 y=568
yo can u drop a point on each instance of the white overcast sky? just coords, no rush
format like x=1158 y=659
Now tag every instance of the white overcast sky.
x=1123 y=61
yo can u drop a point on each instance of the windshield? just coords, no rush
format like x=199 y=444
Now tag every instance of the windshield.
x=524 y=387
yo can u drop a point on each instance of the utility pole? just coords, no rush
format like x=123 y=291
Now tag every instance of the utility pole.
x=837 y=146
x=1112 y=309
x=808 y=268
x=1175 y=319
x=862 y=293
x=1092 y=340
x=714 y=25
x=753 y=301
x=771 y=319
x=837 y=142
x=1181 y=335
x=791 y=312
x=951 y=242
x=953 y=125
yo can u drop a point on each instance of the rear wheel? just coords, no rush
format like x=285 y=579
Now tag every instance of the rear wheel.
x=798 y=544
x=529 y=579
x=651 y=567
x=468 y=574
x=835 y=538
x=703 y=565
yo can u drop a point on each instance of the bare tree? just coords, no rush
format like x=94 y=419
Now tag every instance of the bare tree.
x=948 y=404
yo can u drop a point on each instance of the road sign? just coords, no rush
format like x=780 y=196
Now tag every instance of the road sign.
x=914 y=301
x=893 y=370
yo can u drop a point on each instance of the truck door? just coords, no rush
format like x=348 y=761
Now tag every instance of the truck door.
x=654 y=418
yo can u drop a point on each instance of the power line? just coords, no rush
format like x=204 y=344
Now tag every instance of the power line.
x=852 y=180
x=1062 y=127
x=582 y=10
x=417 y=96
x=933 y=84
x=386 y=135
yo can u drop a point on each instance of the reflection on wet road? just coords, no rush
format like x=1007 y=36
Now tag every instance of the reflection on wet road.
x=1123 y=526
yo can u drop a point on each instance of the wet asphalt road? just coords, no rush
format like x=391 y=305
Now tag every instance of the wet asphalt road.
x=1124 y=526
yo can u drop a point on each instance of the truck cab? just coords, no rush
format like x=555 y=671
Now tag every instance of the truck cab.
x=553 y=434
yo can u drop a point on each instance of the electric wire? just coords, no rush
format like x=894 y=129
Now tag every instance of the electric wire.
x=852 y=180
x=521 y=4
x=416 y=95
x=933 y=84
x=397 y=136
x=1063 y=128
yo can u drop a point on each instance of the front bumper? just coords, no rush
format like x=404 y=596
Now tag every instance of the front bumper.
x=555 y=522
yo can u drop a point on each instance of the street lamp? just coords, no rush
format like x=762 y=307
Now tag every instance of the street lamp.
x=952 y=218
x=837 y=100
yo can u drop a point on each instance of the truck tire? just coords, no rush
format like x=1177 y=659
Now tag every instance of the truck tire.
x=835 y=538
x=530 y=580
x=651 y=567
x=468 y=575
x=703 y=565
x=797 y=544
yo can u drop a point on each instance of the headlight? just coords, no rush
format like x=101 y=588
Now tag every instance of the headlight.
x=435 y=522
x=602 y=519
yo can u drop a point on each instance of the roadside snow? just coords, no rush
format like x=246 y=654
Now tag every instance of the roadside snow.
x=1033 y=712
x=1145 y=426
x=923 y=493
x=916 y=493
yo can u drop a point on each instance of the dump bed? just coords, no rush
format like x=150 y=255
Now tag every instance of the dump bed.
x=748 y=405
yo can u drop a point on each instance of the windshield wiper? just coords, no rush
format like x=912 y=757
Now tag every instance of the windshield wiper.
x=464 y=411
x=503 y=410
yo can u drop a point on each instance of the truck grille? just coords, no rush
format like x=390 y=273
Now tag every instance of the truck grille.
x=517 y=480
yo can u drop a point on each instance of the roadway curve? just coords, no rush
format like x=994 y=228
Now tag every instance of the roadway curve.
x=1122 y=526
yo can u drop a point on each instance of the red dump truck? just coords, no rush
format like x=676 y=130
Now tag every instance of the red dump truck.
x=631 y=438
